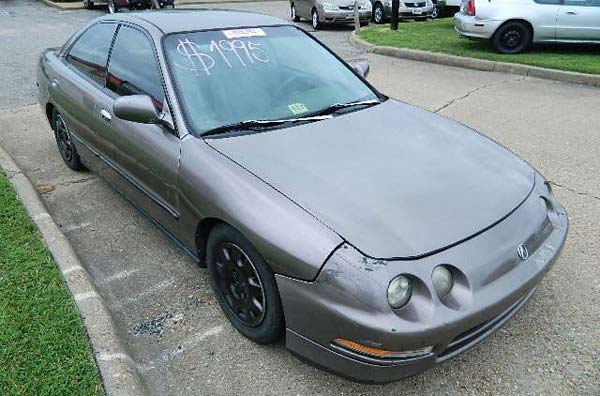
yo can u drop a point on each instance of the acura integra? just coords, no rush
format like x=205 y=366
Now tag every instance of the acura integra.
x=380 y=239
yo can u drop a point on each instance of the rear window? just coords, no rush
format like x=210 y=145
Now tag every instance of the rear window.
x=89 y=54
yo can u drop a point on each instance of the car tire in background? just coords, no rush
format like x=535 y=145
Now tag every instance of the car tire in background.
x=88 y=5
x=293 y=14
x=512 y=37
x=113 y=7
x=244 y=285
x=314 y=16
x=378 y=13
x=436 y=12
x=67 y=150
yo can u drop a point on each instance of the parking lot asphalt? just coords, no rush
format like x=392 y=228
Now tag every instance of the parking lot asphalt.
x=162 y=302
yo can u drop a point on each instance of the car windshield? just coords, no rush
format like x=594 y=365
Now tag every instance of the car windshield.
x=226 y=77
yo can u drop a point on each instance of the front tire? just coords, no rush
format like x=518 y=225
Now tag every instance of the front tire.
x=378 y=13
x=113 y=7
x=512 y=38
x=293 y=14
x=316 y=24
x=67 y=150
x=244 y=286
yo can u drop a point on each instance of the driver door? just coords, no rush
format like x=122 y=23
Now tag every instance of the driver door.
x=146 y=155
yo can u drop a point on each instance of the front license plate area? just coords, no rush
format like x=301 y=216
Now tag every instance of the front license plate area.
x=417 y=11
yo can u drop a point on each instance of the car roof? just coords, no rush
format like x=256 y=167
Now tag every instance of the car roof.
x=173 y=21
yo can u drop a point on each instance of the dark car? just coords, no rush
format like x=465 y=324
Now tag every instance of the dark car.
x=379 y=238
x=118 y=5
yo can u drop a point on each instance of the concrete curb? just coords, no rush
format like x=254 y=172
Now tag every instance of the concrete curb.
x=119 y=372
x=79 y=5
x=478 y=64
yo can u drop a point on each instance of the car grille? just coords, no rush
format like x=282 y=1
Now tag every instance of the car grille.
x=479 y=332
x=414 y=5
x=346 y=8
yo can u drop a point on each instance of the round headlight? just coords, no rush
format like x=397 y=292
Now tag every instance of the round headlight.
x=442 y=280
x=399 y=291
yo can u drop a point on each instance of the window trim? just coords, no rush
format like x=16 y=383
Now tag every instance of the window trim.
x=167 y=100
x=65 y=55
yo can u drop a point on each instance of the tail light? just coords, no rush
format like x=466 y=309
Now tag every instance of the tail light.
x=471 y=8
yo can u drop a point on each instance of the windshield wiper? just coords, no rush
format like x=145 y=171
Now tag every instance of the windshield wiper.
x=338 y=106
x=261 y=124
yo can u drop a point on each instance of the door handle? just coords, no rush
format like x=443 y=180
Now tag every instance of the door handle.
x=105 y=115
x=571 y=12
x=55 y=83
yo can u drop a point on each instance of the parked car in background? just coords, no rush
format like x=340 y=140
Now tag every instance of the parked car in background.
x=321 y=12
x=512 y=25
x=419 y=10
x=117 y=5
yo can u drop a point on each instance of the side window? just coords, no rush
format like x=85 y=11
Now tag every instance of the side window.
x=90 y=52
x=584 y=3
x=133 y=69
x=555 y=2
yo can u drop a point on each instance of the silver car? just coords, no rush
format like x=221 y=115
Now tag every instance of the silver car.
x=419 y=10
x=321 y=12
x=512 y=25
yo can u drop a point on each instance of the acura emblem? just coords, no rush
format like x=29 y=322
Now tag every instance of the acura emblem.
x=522 y=252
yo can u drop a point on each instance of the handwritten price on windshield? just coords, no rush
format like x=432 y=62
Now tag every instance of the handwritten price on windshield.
x=244 y=52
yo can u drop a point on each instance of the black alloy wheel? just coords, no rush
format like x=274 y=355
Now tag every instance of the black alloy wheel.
x=244 y=285
x=65 y=145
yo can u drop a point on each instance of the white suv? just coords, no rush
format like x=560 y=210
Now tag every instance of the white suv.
x=512 y=25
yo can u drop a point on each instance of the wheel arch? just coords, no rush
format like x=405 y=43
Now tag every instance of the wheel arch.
x=203 y=230
x=519 y=20
x=49 y=113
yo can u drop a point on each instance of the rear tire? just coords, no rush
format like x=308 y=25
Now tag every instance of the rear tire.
x=67 y=150
x=512 y=38
x=293 y=14
x=378 y=13
x=244 y=285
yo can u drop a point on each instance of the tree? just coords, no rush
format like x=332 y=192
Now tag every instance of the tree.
x=395 y=8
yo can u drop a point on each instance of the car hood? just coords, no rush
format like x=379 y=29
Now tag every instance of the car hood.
x=393 y=180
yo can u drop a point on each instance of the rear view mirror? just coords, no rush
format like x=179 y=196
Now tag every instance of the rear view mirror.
x=136 y=108
x=362 y=67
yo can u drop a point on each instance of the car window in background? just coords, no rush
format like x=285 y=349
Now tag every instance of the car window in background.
x=551 y=2
x=90 y=52
x=133 y=69
x=583 y=3
x=228 y=76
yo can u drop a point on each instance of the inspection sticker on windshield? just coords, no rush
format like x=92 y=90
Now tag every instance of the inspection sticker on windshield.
x=298 y=108
x=240 y=33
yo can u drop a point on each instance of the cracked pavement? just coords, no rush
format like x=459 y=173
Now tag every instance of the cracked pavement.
x=162 y=302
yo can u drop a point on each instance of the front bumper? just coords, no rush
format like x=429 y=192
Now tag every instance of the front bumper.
x=344 y=16
x=347 y=300
x=472 y=27
x=409 y=12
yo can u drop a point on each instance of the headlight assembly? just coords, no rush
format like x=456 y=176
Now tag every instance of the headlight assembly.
x=399 y=291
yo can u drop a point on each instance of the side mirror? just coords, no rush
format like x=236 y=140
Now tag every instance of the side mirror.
x=362 y=67
x=136 y=108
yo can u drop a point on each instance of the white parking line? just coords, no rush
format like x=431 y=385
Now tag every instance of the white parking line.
x=194 y=341
x=119 y=276
x=145 y=293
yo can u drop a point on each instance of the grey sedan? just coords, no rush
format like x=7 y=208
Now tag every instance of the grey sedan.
x=378 y=238
x=321 y=12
